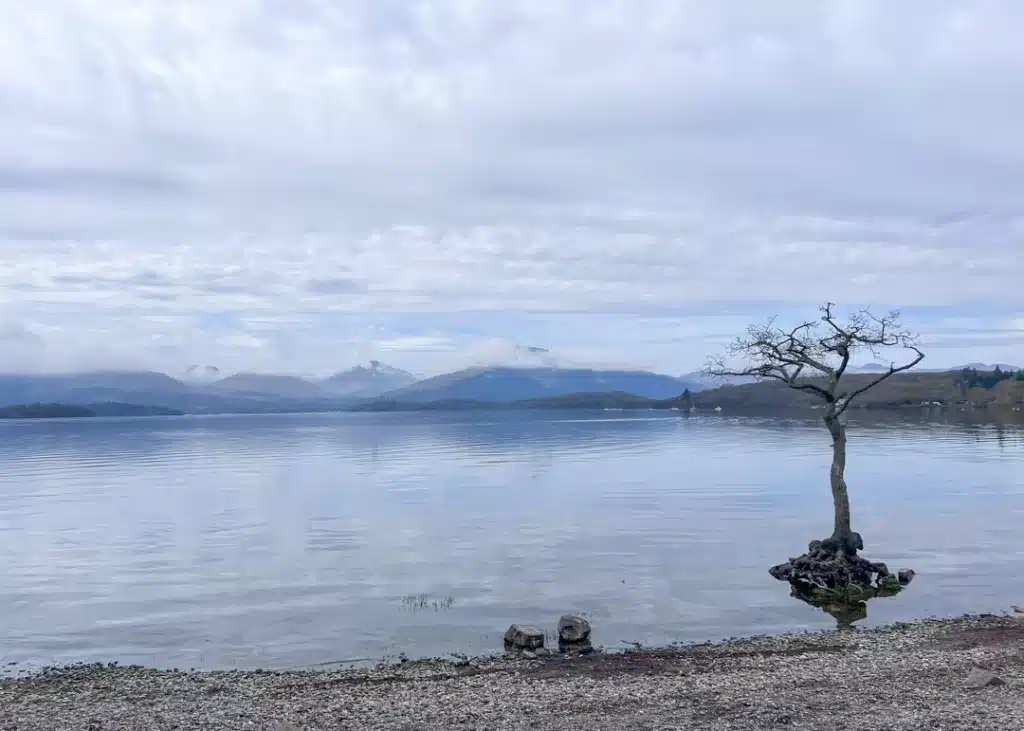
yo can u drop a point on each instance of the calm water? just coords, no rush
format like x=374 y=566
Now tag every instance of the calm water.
x=282 y=541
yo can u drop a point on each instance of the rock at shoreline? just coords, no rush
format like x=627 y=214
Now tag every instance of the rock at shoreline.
x=905 y=576
x=524 y=637
x=981 y=678
x=573 y=629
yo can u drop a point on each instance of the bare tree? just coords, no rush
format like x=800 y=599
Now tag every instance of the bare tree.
x=813 y=357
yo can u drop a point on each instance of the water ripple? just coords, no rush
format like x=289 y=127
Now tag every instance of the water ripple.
x=293 y=540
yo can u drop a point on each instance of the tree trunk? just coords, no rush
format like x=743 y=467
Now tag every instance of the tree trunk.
x=842 y=533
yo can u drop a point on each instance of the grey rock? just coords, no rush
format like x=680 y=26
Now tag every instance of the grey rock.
x=905 y=576
x=572 y=629
x=981 y=678
x=543 y=652
x=524 y=637
x=529 y=655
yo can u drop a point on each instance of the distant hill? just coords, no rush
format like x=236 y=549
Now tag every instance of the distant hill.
x=869 y=368
x=989 y=367
x=92 y=387
x=950 y=389
x=510 y=384
x=291 y=387
x=64 y=411
x=699 y=381
x=117 y=393
x=202 y=373
x=44 y=411
x=606 y=401
x=964 y=387
x=882 y=368
x=149 y=389
x=367 y=381
x=119 y=409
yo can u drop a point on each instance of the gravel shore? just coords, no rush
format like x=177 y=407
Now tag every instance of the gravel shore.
x=908 y=676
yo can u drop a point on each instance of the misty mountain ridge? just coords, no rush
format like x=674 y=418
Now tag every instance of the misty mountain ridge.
x=503 y=384
x=268 y=385
x=247 y=392
x=202 y=373
x=264 y=393
x=367 y=381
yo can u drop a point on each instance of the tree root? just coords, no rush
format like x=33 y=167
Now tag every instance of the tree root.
x=832 y=566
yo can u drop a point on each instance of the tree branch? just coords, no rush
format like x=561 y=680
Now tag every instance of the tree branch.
x=774 y=372
x=893 y=369
x=825 y=345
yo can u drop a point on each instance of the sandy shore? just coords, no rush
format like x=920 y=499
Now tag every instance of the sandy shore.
x=909 y=676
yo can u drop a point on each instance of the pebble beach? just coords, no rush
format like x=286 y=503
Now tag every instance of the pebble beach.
x=965 y=673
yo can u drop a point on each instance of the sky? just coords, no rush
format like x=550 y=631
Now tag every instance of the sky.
x=302 y=185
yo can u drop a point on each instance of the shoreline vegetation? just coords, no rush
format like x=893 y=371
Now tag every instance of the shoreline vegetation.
x=954 y=673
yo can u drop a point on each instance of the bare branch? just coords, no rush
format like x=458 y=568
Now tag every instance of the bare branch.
x=893 y=369
x=825 y=346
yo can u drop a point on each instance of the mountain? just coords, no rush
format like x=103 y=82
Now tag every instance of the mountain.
x=700 y=381
x=508 y=384
x=150 y=390
x=258 y=384
x=989 y=367
x=367 y=381
x=868 y=368
x=202 y=373
x=92 y=387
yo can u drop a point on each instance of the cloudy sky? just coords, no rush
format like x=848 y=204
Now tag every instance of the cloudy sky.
x=300 y=185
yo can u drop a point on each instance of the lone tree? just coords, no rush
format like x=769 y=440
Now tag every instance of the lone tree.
x=813 y=357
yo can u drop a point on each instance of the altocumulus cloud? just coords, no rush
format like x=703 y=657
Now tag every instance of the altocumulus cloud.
x=298 y=184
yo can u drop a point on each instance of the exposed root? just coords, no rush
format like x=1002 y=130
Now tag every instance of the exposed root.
x=831 y=567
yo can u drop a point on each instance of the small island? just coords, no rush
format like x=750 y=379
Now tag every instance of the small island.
x=44 y=411
x=73 y=411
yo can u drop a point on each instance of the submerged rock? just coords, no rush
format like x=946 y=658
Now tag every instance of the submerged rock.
x=524 y=637
x=573 y=628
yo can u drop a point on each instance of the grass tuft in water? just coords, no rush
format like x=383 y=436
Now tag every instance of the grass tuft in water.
x=422 y=602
